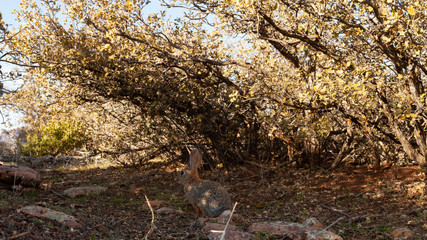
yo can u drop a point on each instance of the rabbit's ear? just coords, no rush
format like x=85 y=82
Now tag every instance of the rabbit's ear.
x=195 y=159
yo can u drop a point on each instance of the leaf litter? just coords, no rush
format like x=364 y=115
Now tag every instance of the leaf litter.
x=354 y=202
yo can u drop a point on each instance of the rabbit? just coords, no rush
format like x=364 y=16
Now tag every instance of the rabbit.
x=209 y=198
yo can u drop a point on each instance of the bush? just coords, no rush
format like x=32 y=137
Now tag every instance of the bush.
x=54 y=138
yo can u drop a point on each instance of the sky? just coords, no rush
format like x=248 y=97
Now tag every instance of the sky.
x=6 y=8
x=11 y=119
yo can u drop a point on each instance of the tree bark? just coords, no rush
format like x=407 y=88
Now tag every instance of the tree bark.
x=346 y=145
x=412 y=153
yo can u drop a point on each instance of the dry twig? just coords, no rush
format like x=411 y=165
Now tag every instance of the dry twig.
x=332 y=224
x=18 y=235
x=152 y=226
x=334 y=210
x=228 y=222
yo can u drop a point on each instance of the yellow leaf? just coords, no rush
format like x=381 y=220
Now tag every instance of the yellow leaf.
x=411 y=11
x=411 y=115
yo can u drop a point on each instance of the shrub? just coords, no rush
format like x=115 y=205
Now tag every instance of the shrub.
x=54 y=138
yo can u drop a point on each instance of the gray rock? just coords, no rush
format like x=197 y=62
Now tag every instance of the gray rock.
x=313 y=222
x=78 y=191
x=402 y=233
x=168 y=210
x=293 y=230
x=43 y=212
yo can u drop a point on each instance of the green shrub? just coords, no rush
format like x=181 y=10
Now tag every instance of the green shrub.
x=54 y=138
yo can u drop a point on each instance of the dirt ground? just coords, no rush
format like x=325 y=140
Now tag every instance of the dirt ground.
x=369 y=204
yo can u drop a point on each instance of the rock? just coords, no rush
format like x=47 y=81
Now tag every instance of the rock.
x=402 y=233
x=167 y=210
x=231 y=235
x=314 y=223
x=78 y=191
x=218 y=227
x=19 y=175
x=154 y=204
x=293 y=230
x=43 y=212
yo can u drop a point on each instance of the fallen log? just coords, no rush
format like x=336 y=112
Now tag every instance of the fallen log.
x=11 y=176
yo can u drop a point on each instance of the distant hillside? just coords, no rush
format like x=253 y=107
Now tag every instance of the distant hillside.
x=10 y=137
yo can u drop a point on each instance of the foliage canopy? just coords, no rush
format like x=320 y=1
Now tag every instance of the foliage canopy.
x=246 y=80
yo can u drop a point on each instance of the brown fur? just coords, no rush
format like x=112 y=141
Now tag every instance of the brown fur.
x=207 y=197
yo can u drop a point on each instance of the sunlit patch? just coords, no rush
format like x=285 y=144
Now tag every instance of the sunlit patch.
x=207 y=193
x=204 y=201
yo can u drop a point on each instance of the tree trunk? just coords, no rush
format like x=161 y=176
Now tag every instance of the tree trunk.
x=413 y=154
x=346 y=145
x=377 y=160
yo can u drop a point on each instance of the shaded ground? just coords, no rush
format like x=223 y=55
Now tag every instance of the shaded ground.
x=369 y=205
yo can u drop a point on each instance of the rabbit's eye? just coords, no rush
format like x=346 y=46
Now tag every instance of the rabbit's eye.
x=182 y=172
